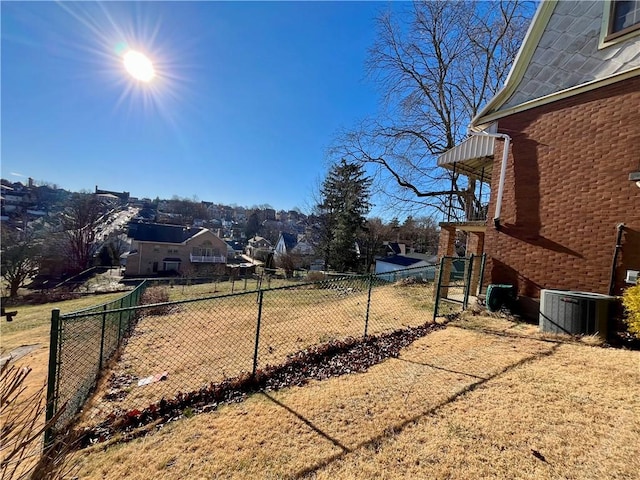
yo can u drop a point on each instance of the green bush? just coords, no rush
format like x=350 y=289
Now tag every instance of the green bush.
x=631 y=302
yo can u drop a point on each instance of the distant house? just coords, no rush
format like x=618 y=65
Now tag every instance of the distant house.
x=122 y=197
x=234 y=249
x=289 y=243
x=559 y=146
x=395 y=248
x=258 y=247
x=395 y=263
x=161 y=248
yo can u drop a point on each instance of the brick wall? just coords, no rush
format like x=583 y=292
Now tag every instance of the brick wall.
x=566 y=190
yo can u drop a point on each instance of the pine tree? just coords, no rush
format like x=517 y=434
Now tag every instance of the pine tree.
x=344 y=203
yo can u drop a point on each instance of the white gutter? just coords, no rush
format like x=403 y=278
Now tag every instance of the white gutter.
x=503 y=171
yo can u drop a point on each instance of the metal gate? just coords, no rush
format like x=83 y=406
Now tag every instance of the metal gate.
x=458 y=279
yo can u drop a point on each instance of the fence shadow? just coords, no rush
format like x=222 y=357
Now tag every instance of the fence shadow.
x=393 y=431
x=307 y=422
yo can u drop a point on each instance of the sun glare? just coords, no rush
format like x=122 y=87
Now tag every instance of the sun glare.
x=139 y=66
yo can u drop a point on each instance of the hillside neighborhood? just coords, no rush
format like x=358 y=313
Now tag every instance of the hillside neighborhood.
x=148 y=238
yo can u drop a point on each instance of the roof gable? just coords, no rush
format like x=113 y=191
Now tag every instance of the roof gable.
x=289 y=240
x=161 y=233
x=562 y=52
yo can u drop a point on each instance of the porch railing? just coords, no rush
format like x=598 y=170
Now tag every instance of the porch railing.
x=477 y=214
x=207 y=258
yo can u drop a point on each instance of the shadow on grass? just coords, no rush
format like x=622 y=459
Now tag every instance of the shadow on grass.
x=310 y=424
x=393 y=431
x=441 y=368
x=510 y=334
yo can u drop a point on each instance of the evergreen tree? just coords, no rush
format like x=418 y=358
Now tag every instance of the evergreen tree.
x=344 y=203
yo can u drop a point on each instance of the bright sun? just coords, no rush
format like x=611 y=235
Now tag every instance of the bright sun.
x=139 y=66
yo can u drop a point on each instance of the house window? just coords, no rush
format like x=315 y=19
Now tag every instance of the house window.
x=171 y=265
x=172 y=250
x=624 y=17
x=156 y=248
x=206 y=250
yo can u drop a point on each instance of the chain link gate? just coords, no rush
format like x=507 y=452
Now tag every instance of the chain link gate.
x=457 y=279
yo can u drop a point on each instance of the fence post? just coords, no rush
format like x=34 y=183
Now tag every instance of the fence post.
x=484 y=257
x=255 y=352
x=51 y=380
x=366 y=320
x=435 y=307
x=467 y=282
x=104 y=323
x=120 y=319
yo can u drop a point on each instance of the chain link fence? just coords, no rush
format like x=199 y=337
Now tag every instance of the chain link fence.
x=457 y=279
x=81 y=345
x=181 y=346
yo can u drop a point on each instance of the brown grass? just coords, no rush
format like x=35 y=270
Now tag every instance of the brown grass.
x=32 y=327
x=186 y=291
x=209 y=341
x=456 y=404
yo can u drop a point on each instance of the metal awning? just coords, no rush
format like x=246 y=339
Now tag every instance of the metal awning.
x=473 y=157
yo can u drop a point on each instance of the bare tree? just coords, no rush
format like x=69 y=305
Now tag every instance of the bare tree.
x=79 y=222
x=20 y=258
x=288 y=262
x=435 y=66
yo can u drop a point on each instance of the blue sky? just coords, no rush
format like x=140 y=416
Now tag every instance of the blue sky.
x=248 y=96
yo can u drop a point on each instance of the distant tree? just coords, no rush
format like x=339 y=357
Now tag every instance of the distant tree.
x=106 y=256
x=54 y=261
x=189 y=209
x=288 y=262
x=270 y=263
x=20 y=259
x=253 y=225
x=426 y=235
x=375 y=233
x=270 y=230
x=344 y=203
x=79 y=222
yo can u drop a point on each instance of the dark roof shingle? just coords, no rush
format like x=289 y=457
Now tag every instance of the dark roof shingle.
x=161 y=233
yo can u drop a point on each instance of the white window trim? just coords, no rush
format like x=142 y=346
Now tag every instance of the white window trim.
x=604 y=29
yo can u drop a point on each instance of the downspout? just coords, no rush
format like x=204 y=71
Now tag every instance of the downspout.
x=612 y=281
x=503 y=171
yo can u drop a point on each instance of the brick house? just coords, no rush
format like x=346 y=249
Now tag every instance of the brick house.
x=564 y=208
x=170 y=249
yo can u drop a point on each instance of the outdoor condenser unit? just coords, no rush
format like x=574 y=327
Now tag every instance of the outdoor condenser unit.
x=574 y=313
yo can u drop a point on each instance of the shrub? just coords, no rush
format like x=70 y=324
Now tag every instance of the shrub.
x=314 y=276
x=631 y=302
x=156 y=295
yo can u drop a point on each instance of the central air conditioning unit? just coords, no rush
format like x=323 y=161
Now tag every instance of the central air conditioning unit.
x=574 y=313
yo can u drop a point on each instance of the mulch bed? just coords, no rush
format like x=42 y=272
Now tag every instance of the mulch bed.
x=320 y=362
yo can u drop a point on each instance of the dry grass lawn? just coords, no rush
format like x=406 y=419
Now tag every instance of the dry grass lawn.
x=458 y=403
x=31 y=327
x=208 y=341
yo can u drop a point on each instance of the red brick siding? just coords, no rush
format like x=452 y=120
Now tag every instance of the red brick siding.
x=566 y=189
